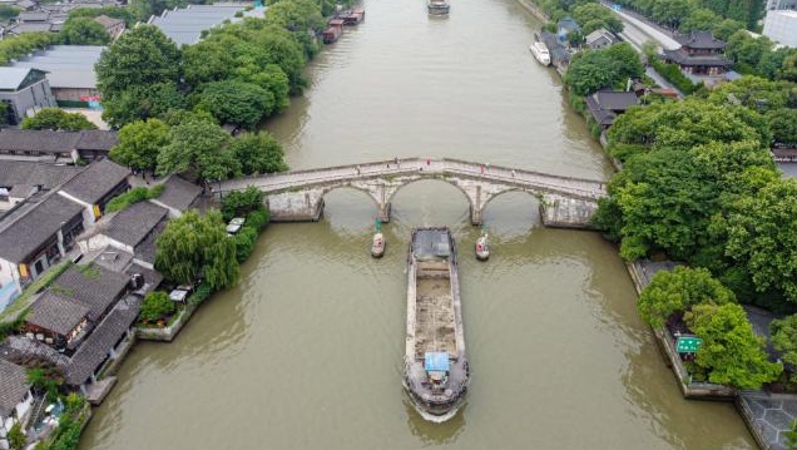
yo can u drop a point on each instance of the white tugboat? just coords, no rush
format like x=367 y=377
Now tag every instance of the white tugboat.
x=540 y=52
x=483 y=248
x=438 y=7
x=378 y=243
x=436 y=372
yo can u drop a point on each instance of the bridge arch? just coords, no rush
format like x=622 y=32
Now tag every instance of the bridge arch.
x=347 y=186
x=533 y=193
x=398 y=188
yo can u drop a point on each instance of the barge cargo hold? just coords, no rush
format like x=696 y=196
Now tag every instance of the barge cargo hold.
x=438 y=7
x=436 y=372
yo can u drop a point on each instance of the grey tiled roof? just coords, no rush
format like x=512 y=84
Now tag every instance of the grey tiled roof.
x=134 y=223
x=68 y=66
x=49 y=141
x=700 y=39
x=683 y=59
x=46 y=141
x=97 y=140
x=93 y=286
x=20 y=238
x=100 y=178
x=90 y=356
x=55 y=313
x=145 y=251
x=12 y=77
x=48 y=176
x=179 y=193
x=13 y=386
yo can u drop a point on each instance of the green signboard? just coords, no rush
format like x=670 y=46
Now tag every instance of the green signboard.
x=688 y=344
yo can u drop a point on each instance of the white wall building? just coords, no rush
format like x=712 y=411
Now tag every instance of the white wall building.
x=781 y=26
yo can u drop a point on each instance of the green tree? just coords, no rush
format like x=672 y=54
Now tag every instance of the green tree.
x=678 y=291
x=142 y=102
x=783 y=123
x=784 y=339
x=141 y=57
x=671 y=12
x=731 y=353
x=236 y=102
x=747 y=51
x=258 y=153
x=753 y=92
x=193 y=246
x=200 y=148
x=156 y=306
x=762 y=236
x=84 y=31
x=115 y=12
x=592 y=16
x=725 y=29
x=789 y=69
x=609 y=67
x=57 y=119
x=700 y=19
x=16 y=438
x=791 y=437
x=241 y=203
x=14 y=47
x=139 y=144
x=8 y=12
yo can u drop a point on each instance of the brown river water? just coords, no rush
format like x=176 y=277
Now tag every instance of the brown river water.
x=306 y=353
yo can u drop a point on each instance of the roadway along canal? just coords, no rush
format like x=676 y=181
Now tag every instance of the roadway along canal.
x=306 y=353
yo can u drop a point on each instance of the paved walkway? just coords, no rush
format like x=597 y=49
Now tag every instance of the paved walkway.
x=431 y=167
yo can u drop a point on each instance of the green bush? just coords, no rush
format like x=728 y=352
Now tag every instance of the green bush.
x=241 y=203
x=74 y=403
x=258 y=219
x=673 y=74
x=156 y=305
x=201 y=293
x=245 y=243
x=133 y=196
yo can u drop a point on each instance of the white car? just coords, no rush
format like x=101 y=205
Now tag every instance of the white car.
x=235 y=225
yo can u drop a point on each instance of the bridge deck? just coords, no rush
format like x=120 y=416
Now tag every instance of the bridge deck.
x=275 y=183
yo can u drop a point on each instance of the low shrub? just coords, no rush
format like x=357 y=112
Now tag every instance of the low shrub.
x=156 y=306
x=133 y=196
x=258 y=219
x=245 y=243
x=241 y=203
x=673 y=74
x=201 y=293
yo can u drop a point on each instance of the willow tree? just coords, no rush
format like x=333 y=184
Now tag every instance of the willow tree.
x=193 y=247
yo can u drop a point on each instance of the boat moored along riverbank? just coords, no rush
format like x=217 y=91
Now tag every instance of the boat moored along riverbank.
x=436 y=371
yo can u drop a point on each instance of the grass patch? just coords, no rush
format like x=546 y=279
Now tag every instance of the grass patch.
x=134 y=196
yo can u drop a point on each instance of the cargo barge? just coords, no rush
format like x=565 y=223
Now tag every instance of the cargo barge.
x=436 y=371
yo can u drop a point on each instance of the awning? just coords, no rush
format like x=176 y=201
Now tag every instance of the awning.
x=436 y=362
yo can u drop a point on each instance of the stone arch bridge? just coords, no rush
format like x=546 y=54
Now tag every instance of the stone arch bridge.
x=299 y=195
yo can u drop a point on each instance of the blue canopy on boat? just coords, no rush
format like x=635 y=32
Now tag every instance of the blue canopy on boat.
x=436 y=362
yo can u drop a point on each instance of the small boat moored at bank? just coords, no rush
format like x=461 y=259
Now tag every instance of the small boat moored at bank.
x=436 y=372
x=540 y=52
x=438 y=7
x=333 y=31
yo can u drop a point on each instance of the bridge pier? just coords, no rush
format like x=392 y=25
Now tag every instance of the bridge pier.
x=475 y=216
x=384 y=212
x=305 y=206
x=562 y=212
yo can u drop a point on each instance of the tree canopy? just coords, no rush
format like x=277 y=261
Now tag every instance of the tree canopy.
x=784 y=339
x=591 y=71
x=731 y=353
x=679 y=290
x=592 y=16
x=139 y=144
x=200 y=148
x=57 y=119
x=84 y=31
x=258 y=153
x=193 y=247
x=141 y=57
x=236 y=102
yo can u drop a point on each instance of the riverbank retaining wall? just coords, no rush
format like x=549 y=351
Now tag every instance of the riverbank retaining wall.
x=167 y=333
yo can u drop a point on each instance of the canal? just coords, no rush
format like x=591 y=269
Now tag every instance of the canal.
x=306 y=353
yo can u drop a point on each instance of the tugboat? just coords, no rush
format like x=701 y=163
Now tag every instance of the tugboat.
x=436 y=372
x=438 y=7
x=483 y=248
x=378 y=245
